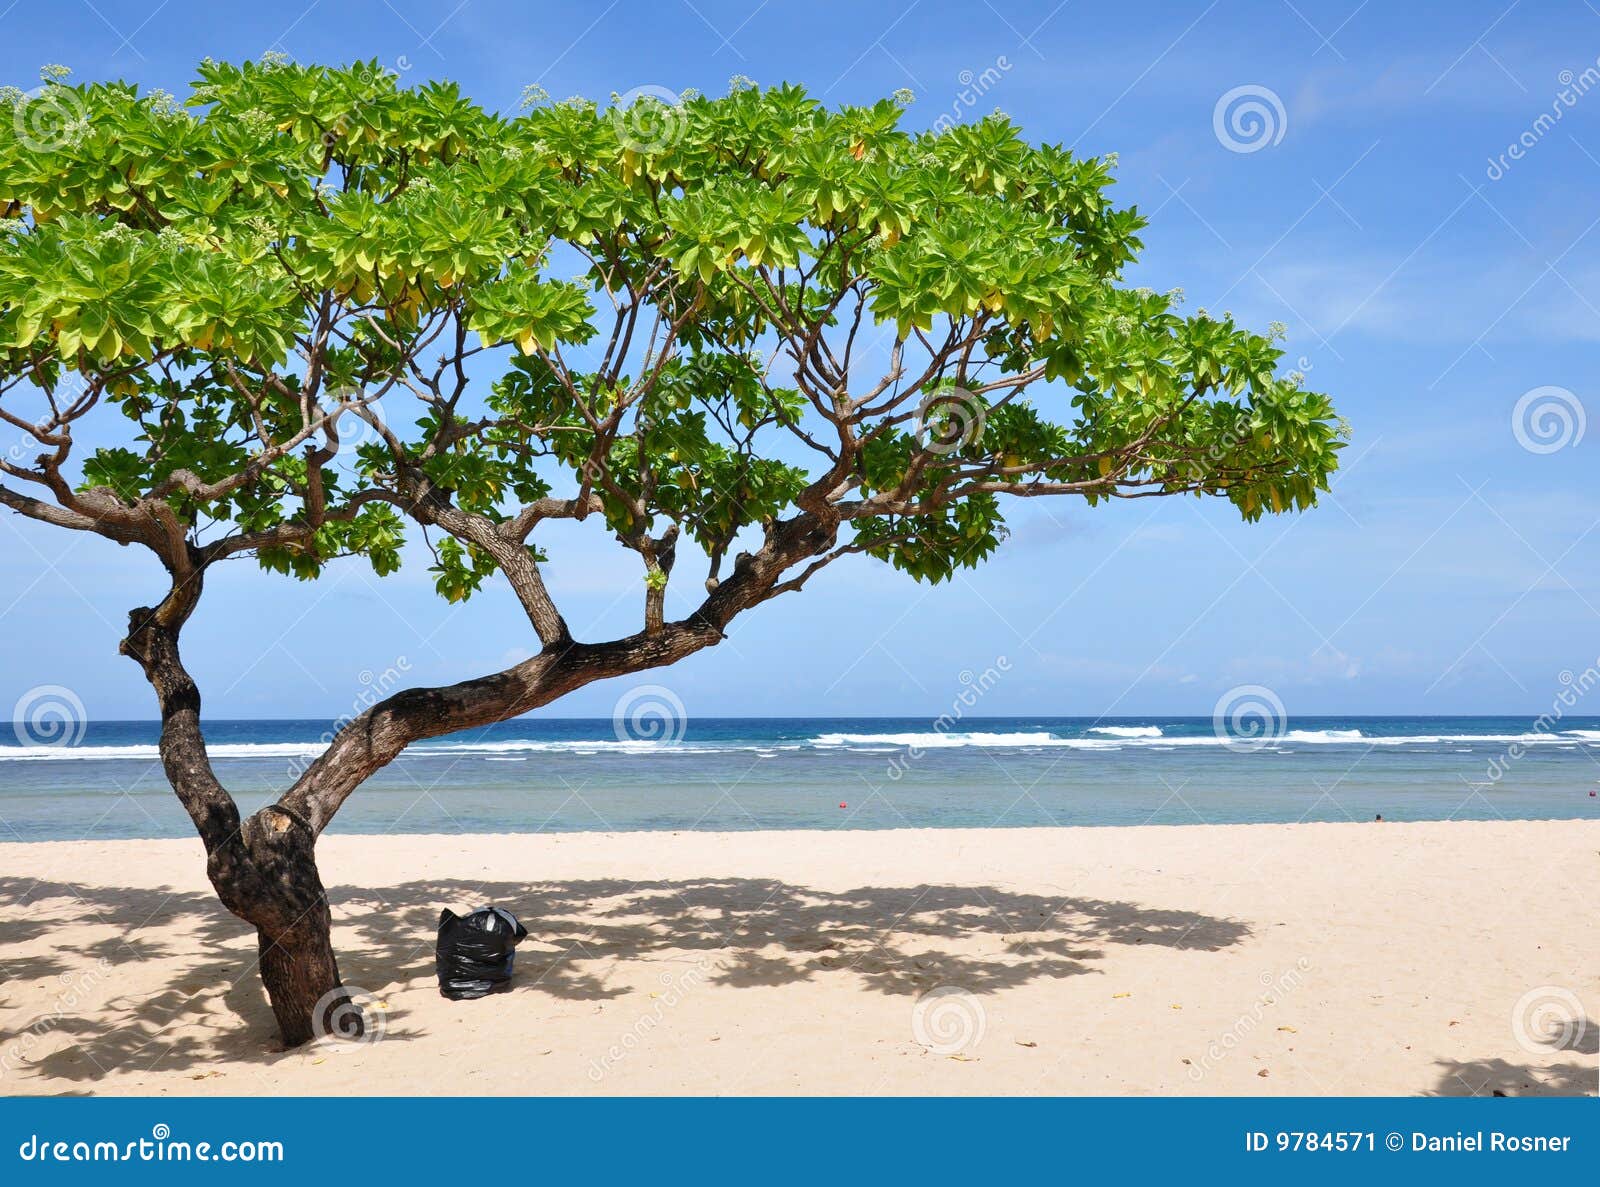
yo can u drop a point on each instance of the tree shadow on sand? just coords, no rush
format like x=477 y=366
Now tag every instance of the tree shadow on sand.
x=1499 y=1077
x=894 y=940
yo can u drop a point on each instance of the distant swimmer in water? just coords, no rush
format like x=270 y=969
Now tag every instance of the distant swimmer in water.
x=1378 y=818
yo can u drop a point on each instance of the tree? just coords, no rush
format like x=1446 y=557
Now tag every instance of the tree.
x=227 y=289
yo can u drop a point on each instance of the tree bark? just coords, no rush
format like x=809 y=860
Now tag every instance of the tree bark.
x=267 y=875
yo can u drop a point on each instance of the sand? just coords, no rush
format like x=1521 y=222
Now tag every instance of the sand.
x=1434 y=958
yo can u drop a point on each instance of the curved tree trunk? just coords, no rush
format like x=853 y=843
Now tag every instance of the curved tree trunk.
x=264 y=868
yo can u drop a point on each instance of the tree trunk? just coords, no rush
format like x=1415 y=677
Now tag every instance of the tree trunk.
x=302 y=981
x=267 y=875
x=264 y=869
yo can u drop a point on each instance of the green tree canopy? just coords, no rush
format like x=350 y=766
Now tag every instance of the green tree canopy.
x=298 y=254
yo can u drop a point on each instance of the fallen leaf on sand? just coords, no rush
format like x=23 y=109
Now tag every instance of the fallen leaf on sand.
x=1262 y=1073
x=1290 y=1029
x=1176 y=1006
x=1020 y=1043
x=1114 y=996
x=963 y=1057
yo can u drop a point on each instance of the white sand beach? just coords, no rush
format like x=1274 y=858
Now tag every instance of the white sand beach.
x=1435 y=958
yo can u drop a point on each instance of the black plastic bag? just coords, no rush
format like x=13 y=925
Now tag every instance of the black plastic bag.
x=476 y=951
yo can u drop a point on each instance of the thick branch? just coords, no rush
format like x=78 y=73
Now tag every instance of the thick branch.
x=377 y=737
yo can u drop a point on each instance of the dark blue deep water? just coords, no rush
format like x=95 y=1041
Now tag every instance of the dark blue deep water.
x=721 y=774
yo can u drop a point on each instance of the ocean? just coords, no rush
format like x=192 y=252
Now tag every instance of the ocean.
x=729 y=774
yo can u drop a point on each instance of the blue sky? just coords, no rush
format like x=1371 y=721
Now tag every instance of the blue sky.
x=1425 y=285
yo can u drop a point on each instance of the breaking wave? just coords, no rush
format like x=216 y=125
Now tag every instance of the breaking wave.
x=1102 y=738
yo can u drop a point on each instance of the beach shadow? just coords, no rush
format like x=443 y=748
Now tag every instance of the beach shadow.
x=1491 y=1077
x=1499 y=1077
x=763 y=932
x=776 y=933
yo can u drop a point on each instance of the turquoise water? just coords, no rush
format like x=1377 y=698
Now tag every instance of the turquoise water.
x=729 y=774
